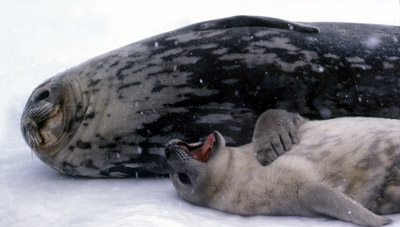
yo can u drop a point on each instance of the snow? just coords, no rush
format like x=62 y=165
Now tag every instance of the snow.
x=41 y=38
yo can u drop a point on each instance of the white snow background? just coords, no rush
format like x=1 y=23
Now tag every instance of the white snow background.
x=41 y=38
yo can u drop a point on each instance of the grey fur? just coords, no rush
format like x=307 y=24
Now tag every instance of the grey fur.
x=278 y=137
x=112 y=115
x=344 y=168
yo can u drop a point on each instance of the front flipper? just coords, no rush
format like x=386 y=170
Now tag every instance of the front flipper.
x=275 y=133
x=252 y=21
x=320 y=200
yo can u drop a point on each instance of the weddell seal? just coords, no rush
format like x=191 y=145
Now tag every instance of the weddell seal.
x=112 y=115
x=344 y=168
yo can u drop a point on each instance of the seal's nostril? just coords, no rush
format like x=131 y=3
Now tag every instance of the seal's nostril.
x=42 y=95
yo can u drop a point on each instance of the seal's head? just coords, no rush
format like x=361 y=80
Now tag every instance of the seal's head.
x=190 y=170
x=51 y=116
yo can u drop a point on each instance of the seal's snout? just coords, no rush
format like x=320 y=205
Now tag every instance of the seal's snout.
x=52 y=115
x=40 y=122
x=175 y=153
x=42 y=118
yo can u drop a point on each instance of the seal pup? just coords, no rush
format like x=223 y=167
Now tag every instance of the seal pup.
x=112 y=115
x=344 y=168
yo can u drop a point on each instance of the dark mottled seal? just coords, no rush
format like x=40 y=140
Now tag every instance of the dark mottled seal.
x=112 y=115
x=344 y=168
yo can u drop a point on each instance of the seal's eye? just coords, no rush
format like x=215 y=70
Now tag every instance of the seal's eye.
x=184 y=178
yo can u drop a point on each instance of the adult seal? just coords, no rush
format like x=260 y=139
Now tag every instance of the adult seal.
x=112 y=115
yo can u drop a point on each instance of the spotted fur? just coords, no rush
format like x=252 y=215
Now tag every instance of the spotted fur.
x=119 y=109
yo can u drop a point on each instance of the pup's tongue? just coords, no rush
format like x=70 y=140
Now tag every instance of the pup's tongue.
x=203 y=153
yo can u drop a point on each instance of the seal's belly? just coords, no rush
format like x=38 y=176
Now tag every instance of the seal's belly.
x=353 y=155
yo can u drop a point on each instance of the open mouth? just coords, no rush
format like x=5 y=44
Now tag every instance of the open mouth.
x=201 y=151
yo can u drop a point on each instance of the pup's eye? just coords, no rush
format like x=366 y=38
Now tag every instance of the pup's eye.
x=184 y=178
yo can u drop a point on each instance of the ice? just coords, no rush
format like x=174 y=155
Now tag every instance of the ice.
x=42 y=38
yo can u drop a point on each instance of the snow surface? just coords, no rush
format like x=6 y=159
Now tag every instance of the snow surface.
x=43 y=37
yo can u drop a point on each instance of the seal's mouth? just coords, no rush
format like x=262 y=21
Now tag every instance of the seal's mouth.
x=43 y=125
x=50 y=129
x=201 y=151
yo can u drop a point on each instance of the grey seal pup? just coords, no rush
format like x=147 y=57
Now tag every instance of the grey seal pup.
x=112 y=115
x=344 y=168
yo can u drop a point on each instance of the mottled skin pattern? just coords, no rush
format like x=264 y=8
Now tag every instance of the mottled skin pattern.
x=344 y=168
x=112 y=115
